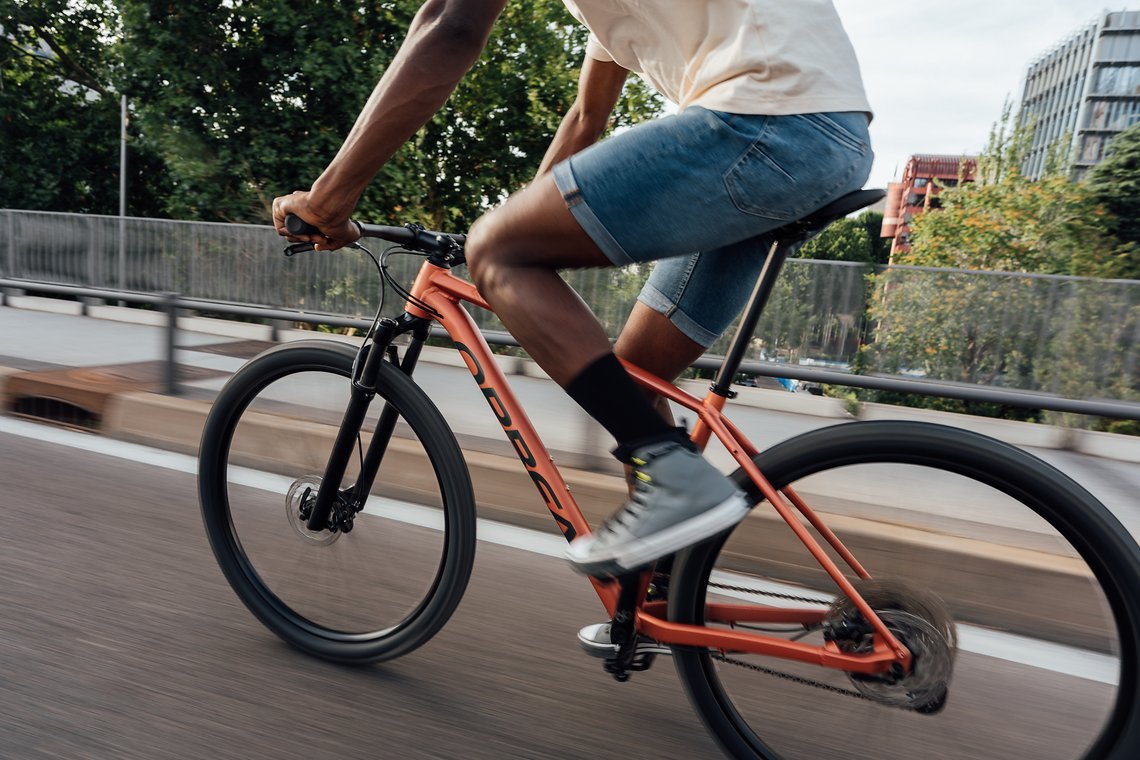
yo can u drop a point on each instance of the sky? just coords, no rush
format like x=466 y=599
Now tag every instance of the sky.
x=937 y=73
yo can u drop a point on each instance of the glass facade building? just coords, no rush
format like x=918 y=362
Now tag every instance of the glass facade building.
x=1083 y=92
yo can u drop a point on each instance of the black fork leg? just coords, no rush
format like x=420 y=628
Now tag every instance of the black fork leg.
x=386 y=425
x=363 y=390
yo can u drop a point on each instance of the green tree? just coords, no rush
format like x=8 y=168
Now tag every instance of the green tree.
x=880 y=246
x=276 y=85
x=1050 y=226
x=1015 y=331
x=235 y=101
x=244 y=99
x=1115 y=184
x=1005 y=222
x=60 y=111
x=853 y=239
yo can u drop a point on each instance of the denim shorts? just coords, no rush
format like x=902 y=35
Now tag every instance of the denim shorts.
x=698 y=191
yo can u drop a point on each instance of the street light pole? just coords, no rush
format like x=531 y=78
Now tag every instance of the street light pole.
x=121 y=280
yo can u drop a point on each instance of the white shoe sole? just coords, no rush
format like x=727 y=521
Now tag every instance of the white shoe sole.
x=639 y=553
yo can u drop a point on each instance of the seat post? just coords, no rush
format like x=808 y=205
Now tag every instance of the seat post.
x=787 y=239
x=777 y=255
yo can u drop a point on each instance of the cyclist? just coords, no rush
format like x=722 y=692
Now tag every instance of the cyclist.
x=771 y=124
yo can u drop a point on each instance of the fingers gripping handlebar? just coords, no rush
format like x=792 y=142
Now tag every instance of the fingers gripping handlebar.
x=412 y=237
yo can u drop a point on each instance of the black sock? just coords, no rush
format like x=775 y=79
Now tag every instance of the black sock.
x=609 y=395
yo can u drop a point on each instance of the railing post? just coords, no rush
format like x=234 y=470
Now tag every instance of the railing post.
x=92 y=248
x=9 y=245
x=10 y=271
x=92 y=257
x=6 y=266
x=170 y=370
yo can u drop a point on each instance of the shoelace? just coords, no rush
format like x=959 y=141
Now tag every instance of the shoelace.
x=636 y=504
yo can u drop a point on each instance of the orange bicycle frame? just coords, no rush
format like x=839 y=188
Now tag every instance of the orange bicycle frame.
x=436 y=287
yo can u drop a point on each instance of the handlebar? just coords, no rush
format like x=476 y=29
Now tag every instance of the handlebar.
x=412 y=236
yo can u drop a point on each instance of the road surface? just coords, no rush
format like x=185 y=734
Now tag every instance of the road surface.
x=119 y=638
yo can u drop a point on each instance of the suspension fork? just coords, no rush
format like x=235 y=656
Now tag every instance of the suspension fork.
x=386 y=425
x=366 y=370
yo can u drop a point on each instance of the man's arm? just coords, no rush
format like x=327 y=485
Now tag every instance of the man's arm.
x=444 y=41
x=599 y=87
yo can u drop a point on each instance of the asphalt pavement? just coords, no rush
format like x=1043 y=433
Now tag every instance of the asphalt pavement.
x=120 y=640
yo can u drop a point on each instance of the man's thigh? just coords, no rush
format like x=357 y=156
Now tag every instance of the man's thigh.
x=702 y=180
x=533 y=228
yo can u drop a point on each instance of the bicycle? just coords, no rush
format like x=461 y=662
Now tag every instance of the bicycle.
x=894 y=658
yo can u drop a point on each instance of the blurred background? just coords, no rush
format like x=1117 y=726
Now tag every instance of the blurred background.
x=995 y=290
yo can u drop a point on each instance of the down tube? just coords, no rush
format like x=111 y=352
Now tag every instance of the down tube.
x=510 y=415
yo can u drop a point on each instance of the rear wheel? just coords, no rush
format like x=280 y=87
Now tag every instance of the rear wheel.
x=376 y=591
x=1016 y=591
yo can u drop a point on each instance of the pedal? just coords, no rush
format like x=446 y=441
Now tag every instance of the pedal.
x=595 y=641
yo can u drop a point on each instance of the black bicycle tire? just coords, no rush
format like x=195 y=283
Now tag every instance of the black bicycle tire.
x=451 y=472
x=1094 y=532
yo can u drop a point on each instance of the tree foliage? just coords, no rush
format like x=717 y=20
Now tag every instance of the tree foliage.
x=1064 y=336
x=1115 y=184
x=851 y=239
x=244 y=99
x=235 y=101
x=1050 y=226
x=1006 y=222
x=60 y=111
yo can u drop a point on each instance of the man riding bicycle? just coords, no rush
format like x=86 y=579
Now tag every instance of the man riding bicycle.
x=771 y=124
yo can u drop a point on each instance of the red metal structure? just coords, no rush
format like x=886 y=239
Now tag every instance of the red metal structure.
x=923 y=179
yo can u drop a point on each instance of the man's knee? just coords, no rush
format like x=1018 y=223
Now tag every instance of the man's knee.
x=492 y=248
x=480 y=251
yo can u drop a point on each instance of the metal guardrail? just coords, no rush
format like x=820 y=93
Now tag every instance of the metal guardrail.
x=1021 y=337
x=171 y=304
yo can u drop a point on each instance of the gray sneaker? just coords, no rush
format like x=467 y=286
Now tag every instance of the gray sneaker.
x=679 y=499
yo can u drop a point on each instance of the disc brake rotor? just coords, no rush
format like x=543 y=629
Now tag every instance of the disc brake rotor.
x=919 y=619
x=298 y=505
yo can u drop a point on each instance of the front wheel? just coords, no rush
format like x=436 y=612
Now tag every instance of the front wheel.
x=377 y=590
x=1018 y=593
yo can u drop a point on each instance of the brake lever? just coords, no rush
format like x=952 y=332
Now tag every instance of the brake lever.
x=293 y=250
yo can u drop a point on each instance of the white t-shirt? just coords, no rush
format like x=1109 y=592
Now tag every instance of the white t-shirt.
x=773 y=57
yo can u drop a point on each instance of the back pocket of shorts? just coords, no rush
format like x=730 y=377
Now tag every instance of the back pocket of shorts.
x=759 y=185
x=792 y=169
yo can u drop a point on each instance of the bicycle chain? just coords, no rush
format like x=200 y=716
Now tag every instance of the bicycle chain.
x=801 y=680
x=773 y=594
x=793 y=678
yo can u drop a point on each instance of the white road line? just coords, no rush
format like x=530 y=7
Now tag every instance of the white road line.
x=1058 y=658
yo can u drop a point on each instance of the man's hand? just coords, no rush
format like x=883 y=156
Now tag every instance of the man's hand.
x=337 y=230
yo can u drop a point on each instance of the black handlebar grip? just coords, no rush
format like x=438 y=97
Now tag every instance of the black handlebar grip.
x=295 y=225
